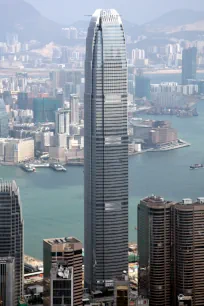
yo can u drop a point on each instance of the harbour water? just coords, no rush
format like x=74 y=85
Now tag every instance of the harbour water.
x=53 y=202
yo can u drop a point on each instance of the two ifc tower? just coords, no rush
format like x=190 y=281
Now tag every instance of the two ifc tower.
x=105 y=151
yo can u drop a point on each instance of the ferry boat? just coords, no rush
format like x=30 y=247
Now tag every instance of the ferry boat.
x=58 y=167
x=28 y=168
x=196 y=166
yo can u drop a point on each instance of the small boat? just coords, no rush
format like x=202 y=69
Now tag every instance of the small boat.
x=58 y=167
x=28 y=168
x=196 y=166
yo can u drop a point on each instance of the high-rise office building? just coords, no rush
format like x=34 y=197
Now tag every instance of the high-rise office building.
x=106 y=151
x=189 y=65
x=154 y=248
x=4 y=128
x=22 y=100
x=7 y=281
x=11 y=237
x=74 y=107
x=62 y=259
x=142 y=87
x=62 y=121
x=44 y=109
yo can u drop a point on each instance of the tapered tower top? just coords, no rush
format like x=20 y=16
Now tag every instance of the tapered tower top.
x=106 y=16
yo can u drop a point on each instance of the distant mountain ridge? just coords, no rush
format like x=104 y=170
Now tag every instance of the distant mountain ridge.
x=178 y=17
x=21 y=17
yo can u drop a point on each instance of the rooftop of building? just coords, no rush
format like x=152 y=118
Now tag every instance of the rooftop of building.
x=53 y=241
x=8 y=186
x=63 y=110
x=15 y=140
x=189 y=204
x=156 y=201
x=106 y=15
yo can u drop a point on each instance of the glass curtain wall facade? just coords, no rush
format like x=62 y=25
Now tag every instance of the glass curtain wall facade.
x=106 y=151
x=189 y=65
x=44 y=109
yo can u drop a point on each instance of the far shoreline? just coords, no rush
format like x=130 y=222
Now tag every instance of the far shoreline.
x=168 y=71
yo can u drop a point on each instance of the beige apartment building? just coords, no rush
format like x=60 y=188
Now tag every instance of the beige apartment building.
x=16 y=150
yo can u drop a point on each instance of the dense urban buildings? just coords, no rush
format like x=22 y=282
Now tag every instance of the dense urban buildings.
x=106 y=151
x=62 y=260
x=173 y=95
x=171 y=251
x=189 y=64
x=11 y=242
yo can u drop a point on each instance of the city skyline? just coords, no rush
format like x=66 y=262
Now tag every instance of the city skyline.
x=88 y=131
x=105 y=152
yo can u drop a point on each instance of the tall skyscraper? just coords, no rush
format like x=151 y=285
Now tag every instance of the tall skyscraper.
x=106 y=151
x=62 y=121
x=62 y=259
x=74 y=107
x=11 y=236
x=154 y=248
x=189 y=65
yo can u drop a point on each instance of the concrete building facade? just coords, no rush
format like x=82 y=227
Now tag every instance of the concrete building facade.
x=62 y=259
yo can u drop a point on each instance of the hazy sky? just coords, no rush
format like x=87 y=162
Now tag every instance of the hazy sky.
x=137 y=11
